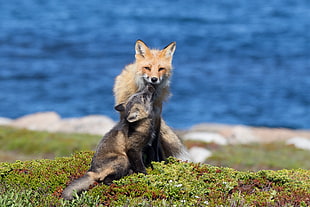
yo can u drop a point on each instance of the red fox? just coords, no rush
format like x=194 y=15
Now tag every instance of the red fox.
x=155 y=67
x=120 y=150
x=151 y=66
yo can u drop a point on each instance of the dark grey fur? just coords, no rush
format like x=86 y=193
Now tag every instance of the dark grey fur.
x=120 y=150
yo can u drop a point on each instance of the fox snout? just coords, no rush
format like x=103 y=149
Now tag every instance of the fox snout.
x=153 y=80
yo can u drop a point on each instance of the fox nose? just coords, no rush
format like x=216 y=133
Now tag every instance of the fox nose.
x=154 y=79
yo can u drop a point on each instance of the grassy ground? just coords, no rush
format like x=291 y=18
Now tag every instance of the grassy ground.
x=171 y=183
x=274 y=156
x=256 y=156
x=39 y=182
x=21 y=144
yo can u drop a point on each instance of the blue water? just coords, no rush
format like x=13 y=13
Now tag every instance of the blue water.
x=237 y=62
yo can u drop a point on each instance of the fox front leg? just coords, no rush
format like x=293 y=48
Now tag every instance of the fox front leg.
x=135 y=159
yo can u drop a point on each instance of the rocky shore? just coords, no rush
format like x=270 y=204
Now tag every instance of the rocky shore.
x=52 y=122
x=206 y=132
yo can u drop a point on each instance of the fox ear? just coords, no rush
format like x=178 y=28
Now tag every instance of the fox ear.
x=169 y=50
x=120 y=107
x=141 y=48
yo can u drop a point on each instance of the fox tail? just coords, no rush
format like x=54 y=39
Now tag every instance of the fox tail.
x=77 y=186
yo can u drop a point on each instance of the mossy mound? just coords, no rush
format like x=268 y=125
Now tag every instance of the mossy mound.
x=170 y=183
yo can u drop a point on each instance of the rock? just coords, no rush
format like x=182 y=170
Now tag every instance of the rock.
x=5 y=121
x=210 y=127
x=242 y=135
x=52 y=122
x=207 y=137
x=246 y=134
x=278 y=134
x=93 y=124
x=38 y=121
x=231 y=134
x=199 y=154
x=299 y=142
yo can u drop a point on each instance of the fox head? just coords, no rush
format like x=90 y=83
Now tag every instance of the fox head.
x=154 y=66
x=139 y=106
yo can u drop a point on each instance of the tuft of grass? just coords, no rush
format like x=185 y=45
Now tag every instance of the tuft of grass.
x=170 y=183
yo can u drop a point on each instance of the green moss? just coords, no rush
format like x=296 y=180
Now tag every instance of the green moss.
x=40 y=183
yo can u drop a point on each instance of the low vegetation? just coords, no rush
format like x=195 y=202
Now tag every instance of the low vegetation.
x=256 y=156
x=171 y=183
x=40 y=182
x=25 y=144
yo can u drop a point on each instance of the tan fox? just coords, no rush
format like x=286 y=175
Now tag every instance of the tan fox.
x=155 y=67
x=120 y=150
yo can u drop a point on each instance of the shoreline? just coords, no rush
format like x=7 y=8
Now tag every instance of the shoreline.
x=100 y=124
x=219 y=134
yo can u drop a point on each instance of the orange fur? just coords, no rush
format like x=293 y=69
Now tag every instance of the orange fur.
x=151 y=65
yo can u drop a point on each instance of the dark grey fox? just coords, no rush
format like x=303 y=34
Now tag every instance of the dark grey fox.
x=120 y=150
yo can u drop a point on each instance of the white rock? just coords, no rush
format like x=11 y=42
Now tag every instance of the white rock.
x=199 y=154
x=52 y=122
x=5 y=121
x=93 y=124
x=37 y=121
x=242 y=135
x=299 y=142
x=206 y=137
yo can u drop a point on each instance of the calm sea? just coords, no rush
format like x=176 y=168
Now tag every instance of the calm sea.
x=237 y=62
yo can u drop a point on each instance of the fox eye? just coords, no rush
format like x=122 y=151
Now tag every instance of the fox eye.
x=160 y=69
x=147 y=68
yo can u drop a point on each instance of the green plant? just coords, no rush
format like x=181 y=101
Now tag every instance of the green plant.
x=170 y=183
